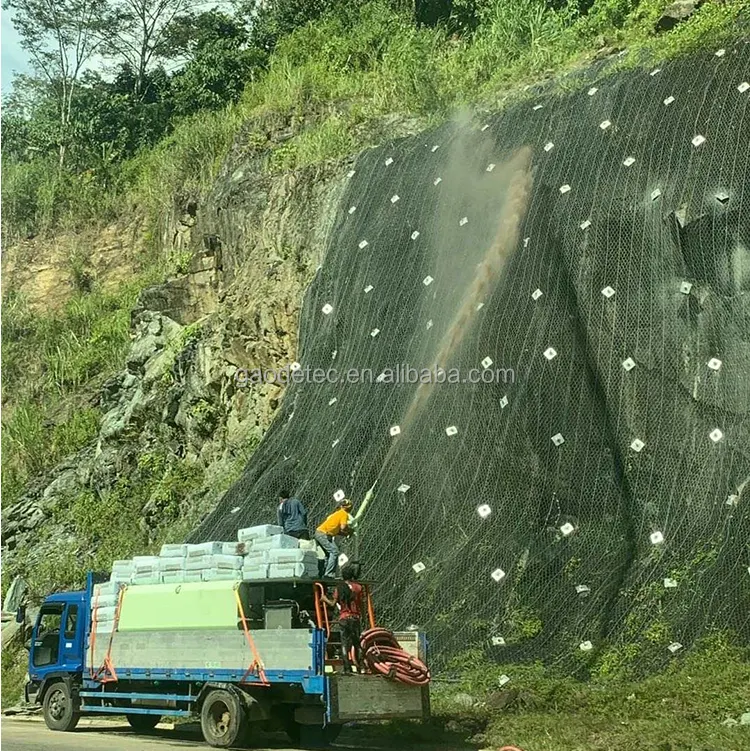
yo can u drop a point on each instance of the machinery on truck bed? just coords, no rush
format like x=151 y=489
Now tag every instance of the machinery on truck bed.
x=239 y=654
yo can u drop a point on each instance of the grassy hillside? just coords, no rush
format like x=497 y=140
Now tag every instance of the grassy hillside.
x=332 y=84
x=332 y=81
x=696 y=705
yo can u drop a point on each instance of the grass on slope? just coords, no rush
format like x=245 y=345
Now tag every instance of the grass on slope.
x=681 y=709
x=52 y=366
x=342 y=75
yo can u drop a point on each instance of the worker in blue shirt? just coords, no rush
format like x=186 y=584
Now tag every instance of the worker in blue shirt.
x=292 y=516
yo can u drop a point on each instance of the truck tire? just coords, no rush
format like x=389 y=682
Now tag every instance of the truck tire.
x=143 y=723
x=223 y=719
x=59 y=708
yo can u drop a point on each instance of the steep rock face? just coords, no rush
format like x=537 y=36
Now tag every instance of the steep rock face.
x=254 y=245
x=568 y=537
x=45 y=272
x=614 y=462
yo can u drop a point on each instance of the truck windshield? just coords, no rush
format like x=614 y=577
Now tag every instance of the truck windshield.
x=47 y=642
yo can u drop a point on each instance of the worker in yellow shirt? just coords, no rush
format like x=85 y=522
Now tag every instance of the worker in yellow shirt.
x=335 y=525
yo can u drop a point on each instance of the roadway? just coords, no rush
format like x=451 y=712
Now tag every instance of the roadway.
x=27 y=734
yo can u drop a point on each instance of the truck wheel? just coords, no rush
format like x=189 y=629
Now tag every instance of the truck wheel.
x=59 y=708
x=142 y=723
x=223 y=720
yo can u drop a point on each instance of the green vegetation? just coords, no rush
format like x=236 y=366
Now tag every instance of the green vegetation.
x=48 y=363
x=145 y=508
x=682 y=708
x=331 y=75
x=329 y=70
x=15 y=664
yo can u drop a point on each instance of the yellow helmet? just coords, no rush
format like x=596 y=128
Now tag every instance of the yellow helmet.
x=347 y=504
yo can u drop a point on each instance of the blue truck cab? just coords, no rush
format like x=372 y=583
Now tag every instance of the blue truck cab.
x=57 y=643
x=276 y=669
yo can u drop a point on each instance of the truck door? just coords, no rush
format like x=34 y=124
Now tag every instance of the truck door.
x=72 y=638
x=47 y=640
x=57 y=640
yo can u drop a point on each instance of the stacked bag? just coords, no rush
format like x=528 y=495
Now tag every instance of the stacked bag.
x=213 y=561
x=270 y=554
x=262 y=552
x=104 y=603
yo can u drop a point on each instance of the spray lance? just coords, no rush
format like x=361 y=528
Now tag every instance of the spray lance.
x=354 y=520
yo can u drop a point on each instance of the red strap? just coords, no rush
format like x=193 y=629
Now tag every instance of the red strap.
x=256 y=664
x=107 y=673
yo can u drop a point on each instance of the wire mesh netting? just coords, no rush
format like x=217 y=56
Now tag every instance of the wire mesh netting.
x=586 y=258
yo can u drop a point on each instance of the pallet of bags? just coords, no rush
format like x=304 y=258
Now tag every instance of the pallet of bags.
x=314 y=547
x=111 y=587
x=172 y=560
x=254 y=572
x=103 y=618
x=255 y=557
x=145 y=570
x=221 y=574
x=173 y=550
x=104 y=601
x=145 y=564
x=122 y=570
x=170 y=565
x=145 y=578
x=201 y=549
x=255 y=565
x=292 y=564
x=286 y=555
x=233 y=548
x=250 y=534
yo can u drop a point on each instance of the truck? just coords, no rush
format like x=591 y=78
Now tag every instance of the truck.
x=242 y=656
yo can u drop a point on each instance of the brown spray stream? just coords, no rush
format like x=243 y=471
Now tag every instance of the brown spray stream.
x=485 y=280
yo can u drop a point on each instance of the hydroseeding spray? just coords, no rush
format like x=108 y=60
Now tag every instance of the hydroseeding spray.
x=485 y=280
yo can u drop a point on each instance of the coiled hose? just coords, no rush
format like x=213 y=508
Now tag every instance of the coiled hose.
x=383 y=655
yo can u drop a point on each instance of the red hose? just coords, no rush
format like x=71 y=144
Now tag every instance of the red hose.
x=384 y=655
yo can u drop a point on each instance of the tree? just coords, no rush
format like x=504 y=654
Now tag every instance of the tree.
x=219 y=62
x=30 y=120
x=192 y=32
x=111 y=124
x=138 y=37
x=61 y=37
x=272 y=19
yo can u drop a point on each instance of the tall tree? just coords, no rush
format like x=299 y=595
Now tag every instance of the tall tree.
x=61 y=37
x=219 y=62
x=139 y=35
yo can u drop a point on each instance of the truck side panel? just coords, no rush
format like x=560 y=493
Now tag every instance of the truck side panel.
x=287 y=650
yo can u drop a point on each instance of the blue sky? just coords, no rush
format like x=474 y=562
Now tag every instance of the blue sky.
x=12 y=57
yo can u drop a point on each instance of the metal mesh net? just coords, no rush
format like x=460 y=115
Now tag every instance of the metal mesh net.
x=594 y=489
